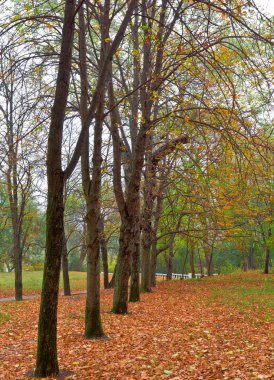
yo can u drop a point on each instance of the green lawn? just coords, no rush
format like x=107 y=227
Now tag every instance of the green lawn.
x=251 y=291
x=32 y=282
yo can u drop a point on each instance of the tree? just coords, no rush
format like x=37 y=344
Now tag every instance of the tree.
x=17 y=94
x=92 y=184
x=47 y=362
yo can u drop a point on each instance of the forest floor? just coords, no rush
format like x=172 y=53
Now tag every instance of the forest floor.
x=212 y=328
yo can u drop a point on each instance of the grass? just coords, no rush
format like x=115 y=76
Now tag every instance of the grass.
x=4 y=317
x=248 y=292
x=32 y=282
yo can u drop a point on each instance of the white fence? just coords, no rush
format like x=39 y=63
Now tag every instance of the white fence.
x=185 y=276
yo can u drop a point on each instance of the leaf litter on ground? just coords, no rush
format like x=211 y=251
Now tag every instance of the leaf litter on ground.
x=182 y=330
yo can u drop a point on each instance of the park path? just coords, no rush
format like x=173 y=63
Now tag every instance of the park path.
x=25 y=298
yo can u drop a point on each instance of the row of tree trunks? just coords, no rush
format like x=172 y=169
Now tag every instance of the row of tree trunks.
x=129 y=231
x=152 y=78
x=93 y=324
x=129 y=204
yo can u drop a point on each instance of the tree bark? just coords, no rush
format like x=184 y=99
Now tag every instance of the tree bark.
x=157 y=215
x=251 y=258
x=134 y=295
x=267 y=260
x=169 y=266
x=65 y=269
x=18 y=272
x=191 y=259
x=17 y=212
x=153 y=263
x=128 y=232
x=209 y=261
x=149 y=197
x=93 y=325
x=267 y=254
x=104 y=252
x=83 y=254
x=92 y=187
x=47 y=361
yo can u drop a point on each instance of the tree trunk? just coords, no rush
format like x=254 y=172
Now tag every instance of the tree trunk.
x=65 y=269
x=146 y=260
x=18 y=268
x=169 y=267
x=185 y=259
x=93 y=325
x=83 y=254
x=200 y=263
x=157 y=215
x=134 y=295
x=146 y=236
x=153 y=263
x=17 y=210
x=47 y=360
x=126 y=241
x=149 y=198
x=267 y=260
x=129 y=231
x=267 y=254
x=92 y=186
x=245 y=266
x=209 y=261
x=83 y=250
x=191 y=260
x=104 y=252
x=251 y=261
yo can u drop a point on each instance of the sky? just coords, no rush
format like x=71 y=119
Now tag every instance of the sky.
x=268 y=5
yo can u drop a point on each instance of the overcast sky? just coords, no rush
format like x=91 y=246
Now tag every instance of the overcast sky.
x=266 y=5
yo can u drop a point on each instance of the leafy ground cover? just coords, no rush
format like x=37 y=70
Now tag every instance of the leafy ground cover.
x=216 y=328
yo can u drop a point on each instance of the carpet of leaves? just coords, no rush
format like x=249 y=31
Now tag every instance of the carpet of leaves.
x=179 y=331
